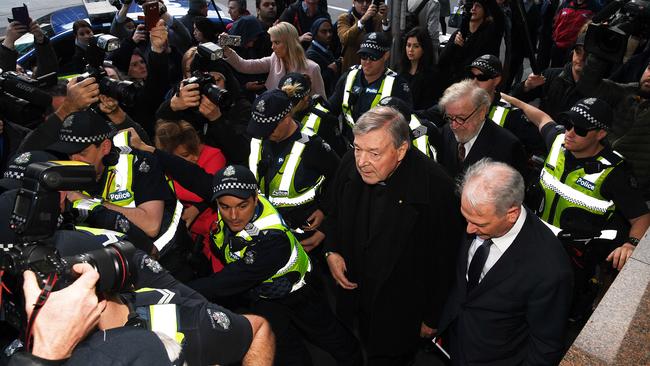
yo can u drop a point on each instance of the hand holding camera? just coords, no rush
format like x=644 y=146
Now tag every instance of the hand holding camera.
x=80 y=95
x=15 y=30
x=158 y=36
x=370 y=13
x=188 y=96
x=67 y=316
x=209 y=110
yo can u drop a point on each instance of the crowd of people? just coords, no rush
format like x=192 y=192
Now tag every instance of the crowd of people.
x=293 y=177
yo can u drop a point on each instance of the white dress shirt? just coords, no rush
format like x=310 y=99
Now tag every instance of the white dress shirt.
x=501 y=244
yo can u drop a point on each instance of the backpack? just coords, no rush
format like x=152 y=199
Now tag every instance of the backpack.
x=411 y=17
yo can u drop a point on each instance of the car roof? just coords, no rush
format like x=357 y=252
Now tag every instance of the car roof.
x=59 y=23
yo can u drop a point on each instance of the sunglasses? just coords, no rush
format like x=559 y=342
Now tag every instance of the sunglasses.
x=366 y=56
x=579 y=130
x=459 y=120
x=479 y=77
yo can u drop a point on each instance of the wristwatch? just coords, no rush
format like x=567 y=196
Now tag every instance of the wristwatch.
x=327 y=254
x=359 y=24
x=632 y=240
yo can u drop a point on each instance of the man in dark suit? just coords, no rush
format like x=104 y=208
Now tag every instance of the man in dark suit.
x=512 y=295
x=466 y=137
x=391 y=235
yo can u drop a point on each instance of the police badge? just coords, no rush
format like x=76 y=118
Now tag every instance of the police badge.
x=144 y=167
x=68 y=121
x=249 y=257
x=221 y=319
x=23 y=158
x=229 y=171
x=260 y=106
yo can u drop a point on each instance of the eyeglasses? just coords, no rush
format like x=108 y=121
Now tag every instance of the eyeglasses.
x=579 y=130
x=457 y=119
x=479 y=77
x=366 y=56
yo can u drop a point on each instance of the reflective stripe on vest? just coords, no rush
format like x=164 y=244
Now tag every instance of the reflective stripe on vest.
x=498 y=114
x=311 y=122
x=163 y=316
x=111 y=236
x=385 y=90
x=285 y=194
x=579 y=189
x=421 y=140
x=269 y=219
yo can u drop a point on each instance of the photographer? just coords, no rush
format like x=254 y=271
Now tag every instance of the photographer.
x=152 y=75
x=364 y=17
x=219 y=125
x=631 y=124
x=45 y=56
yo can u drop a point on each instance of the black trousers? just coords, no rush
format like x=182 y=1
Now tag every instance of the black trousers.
x=305 y=314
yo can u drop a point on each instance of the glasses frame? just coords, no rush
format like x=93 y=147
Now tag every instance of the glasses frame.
x=480 y=77
x=460 y=120
x=578 y=130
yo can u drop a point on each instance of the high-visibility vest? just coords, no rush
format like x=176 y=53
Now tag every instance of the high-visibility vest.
x=311 y=122
x=158 y=309
x=385 y=90
x=566 y=189
x=118 y=189
x=281 y=188
x=499 y=112
x=420 y=137
x=269 y=219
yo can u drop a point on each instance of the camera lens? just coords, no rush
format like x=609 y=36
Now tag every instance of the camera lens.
x=123 y=91
x=114 y=264
x=218 y=96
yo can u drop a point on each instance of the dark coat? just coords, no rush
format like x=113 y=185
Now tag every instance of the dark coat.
x=517 y=314
x=324 y=59
x=413 y=247
x=492 y=142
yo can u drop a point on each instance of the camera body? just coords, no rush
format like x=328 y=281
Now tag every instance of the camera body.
x=124 y=92
x=34 y=219
x=607 y=37
x=207 y=87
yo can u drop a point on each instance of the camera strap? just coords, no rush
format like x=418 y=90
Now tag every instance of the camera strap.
x=40 y=301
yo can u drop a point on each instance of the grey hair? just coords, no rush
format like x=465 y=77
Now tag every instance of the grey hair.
x=495 y=183
x=462 y=90
x=381 y=116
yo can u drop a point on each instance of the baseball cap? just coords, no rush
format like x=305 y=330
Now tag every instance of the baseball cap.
x=268 y=110
x=300 y=80
x=375 y=45
x=79 y=130
x=234 y=180
x=589 y=113
x=489 y=65
x=13 y=176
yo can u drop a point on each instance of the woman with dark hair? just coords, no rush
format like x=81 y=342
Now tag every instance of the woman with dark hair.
x=205 y=31
x=83 y=32
x=418 y=69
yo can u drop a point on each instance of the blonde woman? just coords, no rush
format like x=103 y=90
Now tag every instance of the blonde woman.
x=288 y=56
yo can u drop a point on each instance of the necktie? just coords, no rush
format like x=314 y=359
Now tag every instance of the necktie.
x=461 y=152
x=477 y=264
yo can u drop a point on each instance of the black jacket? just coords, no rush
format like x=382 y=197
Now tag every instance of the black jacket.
x=410 y=249
x=517 y=314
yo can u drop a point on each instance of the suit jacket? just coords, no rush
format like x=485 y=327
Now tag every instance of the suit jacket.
x=517 y=314
x=492 y=142
x=412 y=248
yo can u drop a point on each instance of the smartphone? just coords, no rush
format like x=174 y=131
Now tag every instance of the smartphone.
x=21 y=14
x=151 y=14
x=229 y=40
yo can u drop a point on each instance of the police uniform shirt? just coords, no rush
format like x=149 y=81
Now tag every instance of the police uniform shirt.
x=211 y=334
x=266 y=254
x=619 y=186
x=367 y=93
x=149 y=183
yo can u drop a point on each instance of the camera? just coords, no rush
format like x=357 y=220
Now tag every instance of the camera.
x=21 y=97
x=229 y=40
x=607 y=36
x=124 y=92
x=210 y=51
x=218 y=96
x=34 y=219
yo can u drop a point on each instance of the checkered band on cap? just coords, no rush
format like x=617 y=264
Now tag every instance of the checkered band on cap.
x=11 y=174
x=483 y=64
x=585 y=113
x=374 y=46
x=84 y=139
x=234 y=185
x=257 y=117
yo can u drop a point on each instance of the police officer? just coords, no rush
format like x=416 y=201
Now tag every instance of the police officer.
x=487 y=72
x=131 y=188
x=587 y=186
x=292 y=165
x=423 y=132
x=363 y=86
x=313 y=112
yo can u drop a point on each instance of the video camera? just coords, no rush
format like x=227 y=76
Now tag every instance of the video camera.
x=21 y=96
x=610 y=29
x=34 y=219
x=124 y=92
